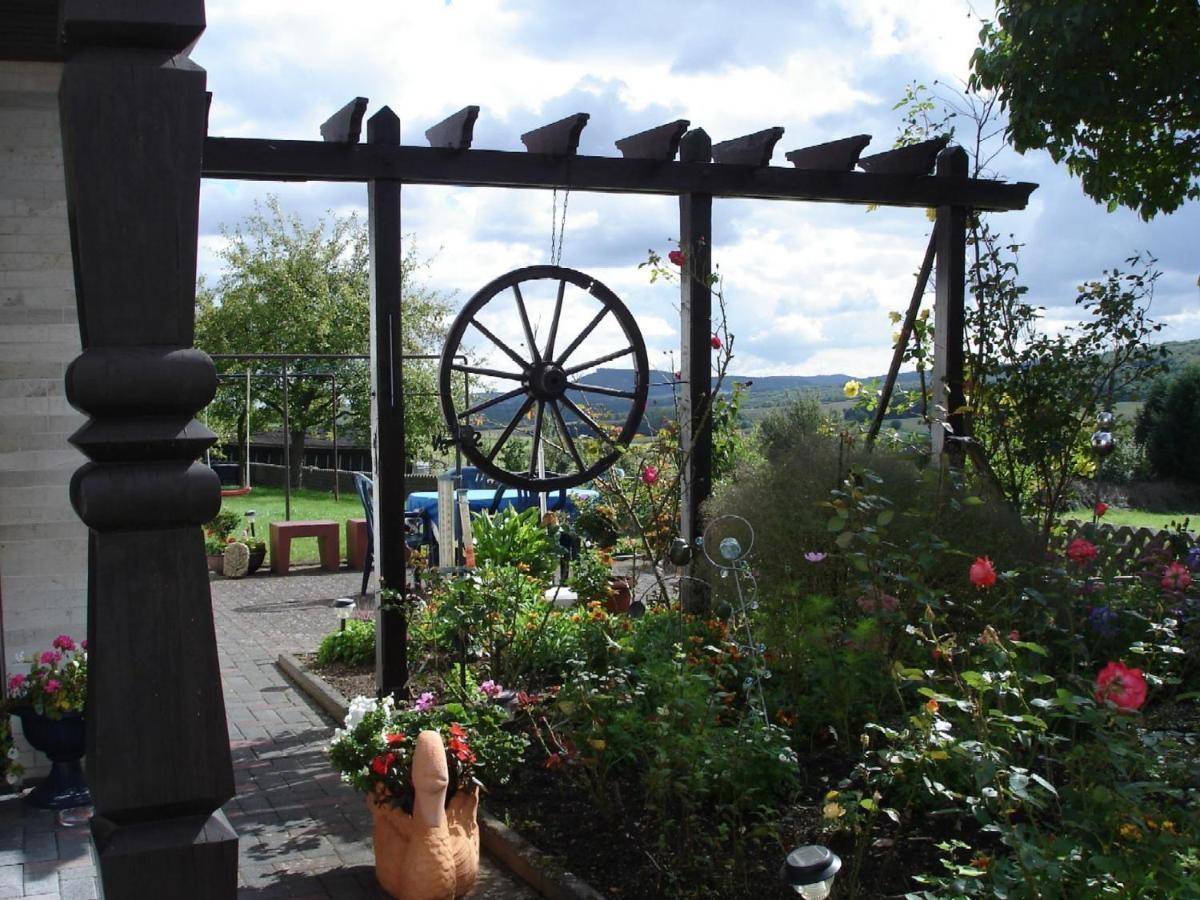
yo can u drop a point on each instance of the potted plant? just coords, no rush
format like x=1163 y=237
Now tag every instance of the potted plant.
x=50 y=703
x=420 y=769
x=214 y=551
x=258 y=550
x=217 y=533
x=592 y=579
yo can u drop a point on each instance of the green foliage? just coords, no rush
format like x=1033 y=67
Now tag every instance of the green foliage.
x=590 y=573
x=1111 y=88
x=478 y=748
x=1168 y=425
x=291 y=288
x=511 y=538
x=791 y=425
x=222 y=524
x=354 y=645
x=596 y=521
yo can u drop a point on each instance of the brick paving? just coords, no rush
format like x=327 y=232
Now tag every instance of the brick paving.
x=303 y=833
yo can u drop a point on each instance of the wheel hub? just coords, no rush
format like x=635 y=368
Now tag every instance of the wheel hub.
x=547 y=381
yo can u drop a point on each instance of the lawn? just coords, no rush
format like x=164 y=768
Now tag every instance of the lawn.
x=268 y=505
x=1137 y=518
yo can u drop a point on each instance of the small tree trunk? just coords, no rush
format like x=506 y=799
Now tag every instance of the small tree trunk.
x=296 y=460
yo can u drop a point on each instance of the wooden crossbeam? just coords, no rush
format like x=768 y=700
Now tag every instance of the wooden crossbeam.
x=749 y=149
x=345 y=125
x=832 y=156
x=454 y=132
x=258 y=159
x=559 y=138
x=915 y=159
x=654 y=143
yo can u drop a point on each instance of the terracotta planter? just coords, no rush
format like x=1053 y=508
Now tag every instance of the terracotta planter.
x=216 y=564
x=620 y=595
x=62 y=740
x=416 y=861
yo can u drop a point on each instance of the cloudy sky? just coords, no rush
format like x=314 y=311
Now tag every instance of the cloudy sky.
x=808 y=286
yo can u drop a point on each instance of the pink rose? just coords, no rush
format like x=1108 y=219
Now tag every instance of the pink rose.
x=650 y=474
x=1176 y=577
x=64 y=643
x=982 y=573
x=15 y=682
x=1124 y=686
x=50 y=657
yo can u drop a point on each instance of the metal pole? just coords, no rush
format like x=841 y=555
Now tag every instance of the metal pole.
x=333 y=426
x=287 y=454
x=247 y=481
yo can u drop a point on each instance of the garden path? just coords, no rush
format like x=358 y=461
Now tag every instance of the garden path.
x=303 y=833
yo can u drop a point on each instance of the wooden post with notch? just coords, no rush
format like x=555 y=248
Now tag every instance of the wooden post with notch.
x=387 y=404
x=949 y=430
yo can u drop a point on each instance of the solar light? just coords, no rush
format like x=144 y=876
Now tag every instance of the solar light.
x=342 y=607
x=250 y=520
x=810 y=871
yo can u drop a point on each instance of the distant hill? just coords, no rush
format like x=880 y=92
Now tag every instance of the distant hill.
x=766 y=391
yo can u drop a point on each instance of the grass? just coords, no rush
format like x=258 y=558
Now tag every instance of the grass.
x=268 y=506
x=1137 y=518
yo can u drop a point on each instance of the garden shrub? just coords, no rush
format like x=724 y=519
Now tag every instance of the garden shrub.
x=1168 y=425
x=511 y=538
x=354 y=646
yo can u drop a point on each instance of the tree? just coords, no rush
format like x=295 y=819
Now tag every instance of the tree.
x=289 y=288
x=1112 y=88
x=1168 y=426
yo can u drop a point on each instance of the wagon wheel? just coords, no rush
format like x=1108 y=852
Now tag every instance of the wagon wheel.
x=546 y=377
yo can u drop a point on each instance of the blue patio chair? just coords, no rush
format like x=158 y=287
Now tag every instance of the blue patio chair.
x=365 y=488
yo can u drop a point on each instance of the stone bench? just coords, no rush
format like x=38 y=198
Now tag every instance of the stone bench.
x=356 y=543
x=324 y=530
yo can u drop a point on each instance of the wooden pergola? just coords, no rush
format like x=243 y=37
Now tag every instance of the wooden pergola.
x=135 y=144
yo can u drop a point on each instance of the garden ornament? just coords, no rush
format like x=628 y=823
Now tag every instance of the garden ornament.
x=1105 y=420
x=1103 y=443
x=680 y=553
x=237 y=560
x=432 y=854
x=810 y=871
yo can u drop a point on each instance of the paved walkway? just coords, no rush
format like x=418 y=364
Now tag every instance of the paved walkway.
x=303 y=833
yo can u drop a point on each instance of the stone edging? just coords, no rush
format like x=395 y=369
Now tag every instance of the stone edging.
x=523 y=859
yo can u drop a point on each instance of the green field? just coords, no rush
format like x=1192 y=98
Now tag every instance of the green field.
x=268 y=504
x=1137 y=518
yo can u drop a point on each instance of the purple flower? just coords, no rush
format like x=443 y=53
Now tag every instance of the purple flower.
x=425 y=701
x=814 y=556
x=491 y=689
x=1193 y=558
x=1102 y=620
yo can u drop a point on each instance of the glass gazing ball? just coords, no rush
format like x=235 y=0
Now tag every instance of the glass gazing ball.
x=1103 y=443
x=680 y=553
x=730 y=548
x=1105 y=420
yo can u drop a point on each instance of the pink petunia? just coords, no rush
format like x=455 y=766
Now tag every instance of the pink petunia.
x=425 y=701
x=52 y=686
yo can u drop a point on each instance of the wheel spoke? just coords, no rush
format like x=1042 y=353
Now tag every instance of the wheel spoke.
x=597 y=389
x=490 y=373
x=533 y=350
x=566 y=433
x=487 y=404
x=509 y=429
x=558 y=305
x=588 y=420
x=582 y=336
x=592 y=363
x=537 y=438
x=524 y=364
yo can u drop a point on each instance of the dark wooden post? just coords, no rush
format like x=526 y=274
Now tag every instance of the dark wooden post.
x=695 y=332
x=948 y=352
x=391 y=657
x=133 y=125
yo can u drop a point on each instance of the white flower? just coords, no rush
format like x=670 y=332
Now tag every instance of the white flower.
x=389 y=704
x=13 y=778
x=14 y=753
x=359 y=707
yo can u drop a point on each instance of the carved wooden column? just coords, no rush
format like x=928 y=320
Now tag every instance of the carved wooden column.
x=134 y=115
x=948 y=350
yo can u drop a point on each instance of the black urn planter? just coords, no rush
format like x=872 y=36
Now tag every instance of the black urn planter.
x=256 y=559
x=63 y=742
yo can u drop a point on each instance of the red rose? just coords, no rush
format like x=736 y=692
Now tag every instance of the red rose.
x=1176 y=577
x=1125 y=687
x=1081 y=551
x=677 y=258
x=716 y=342
x=1101 y=508
x=650 y=474
x=983 y=573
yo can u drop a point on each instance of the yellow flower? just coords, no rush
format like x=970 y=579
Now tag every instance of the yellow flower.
x=598 y=744
x=833 y=810
x=1130 y=832
x=852 y=388
x=894 y=317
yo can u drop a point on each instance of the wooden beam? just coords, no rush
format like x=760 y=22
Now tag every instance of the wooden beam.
x=559 y=138
x=257 y=159
x=950 y=286
x=832 y=156
x=454 y=132
x=345 y=125
x=660 y=143
x=387 y=402
x=915 y=159
x=749 y=149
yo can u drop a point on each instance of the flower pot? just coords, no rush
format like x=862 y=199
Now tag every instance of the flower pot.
x=620 y=595
x=216 y=564
x=63 y=743
x=414 y=861
x=256 y=559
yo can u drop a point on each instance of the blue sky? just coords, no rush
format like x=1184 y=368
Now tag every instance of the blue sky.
x=808 y=286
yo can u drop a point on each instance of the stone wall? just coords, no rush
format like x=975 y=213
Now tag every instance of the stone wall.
x=43 y=545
